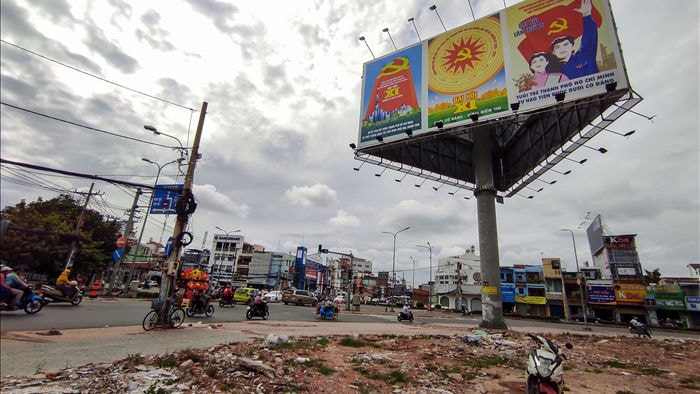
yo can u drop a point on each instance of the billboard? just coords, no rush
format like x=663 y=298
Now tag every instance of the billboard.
x=529 y=56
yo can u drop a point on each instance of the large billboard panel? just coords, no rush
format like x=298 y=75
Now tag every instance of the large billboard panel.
x=524 y=54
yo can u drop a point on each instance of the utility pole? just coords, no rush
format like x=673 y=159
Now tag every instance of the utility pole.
x=458 y=304
x=127 y=231
x=173 y=261
x=74 y=243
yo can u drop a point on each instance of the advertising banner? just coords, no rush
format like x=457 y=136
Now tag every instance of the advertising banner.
x=507 y=293
x=630 y=294
x=524 y=54
x=692 y=303
x=601 y=294
x=535 y=300
x=391 y=95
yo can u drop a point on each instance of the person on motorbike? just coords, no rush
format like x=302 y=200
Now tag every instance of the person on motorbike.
x=636 y=324
x=259 y=303
x=64 y=284
x=8 y=292
x=227 y=293
x=405 y=310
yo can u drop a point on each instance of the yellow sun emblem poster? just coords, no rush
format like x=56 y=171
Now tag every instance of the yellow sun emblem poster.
x=466 y=72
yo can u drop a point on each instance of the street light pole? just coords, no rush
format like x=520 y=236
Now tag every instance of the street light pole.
x=430 y=278
x=228 y=251
x=579 y=279
x=393 y=265
x=145 y=217
x=413 y=281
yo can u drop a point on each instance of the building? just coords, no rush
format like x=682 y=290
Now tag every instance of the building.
x=269 y=270
x=458 y=281
x=554 y=284
x=224 y=255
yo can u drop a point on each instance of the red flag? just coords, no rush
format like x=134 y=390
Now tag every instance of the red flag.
x=541 y=29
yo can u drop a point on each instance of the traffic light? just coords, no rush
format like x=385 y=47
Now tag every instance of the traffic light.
x=321 y=250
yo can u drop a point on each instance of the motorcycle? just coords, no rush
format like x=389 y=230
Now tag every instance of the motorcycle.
x=327 y=310
x=226 y=301
x=52 y=294
x=200 y=306
x=640 y=330
x=544 y=367
x=406 y=316
x=30 y=303
x=261 y=310
x=465 y=311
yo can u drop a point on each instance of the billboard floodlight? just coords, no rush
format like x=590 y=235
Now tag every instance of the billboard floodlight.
x=409 y=132
x=474 y=117
x=352 y=145
x=611 y=87
x=434 y=8
x=515 y=106
x=399 y=180
x=414 y=26
x=421 y=184
x=386 y=30
x=575 y=161
x=439 y=124
x=362 y=38
x=560 y=96
x=380 y=138
x=380 y=173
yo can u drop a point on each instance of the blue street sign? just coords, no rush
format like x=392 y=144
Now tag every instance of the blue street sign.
x=168 y=247
x=165 y=197
x=117 y=254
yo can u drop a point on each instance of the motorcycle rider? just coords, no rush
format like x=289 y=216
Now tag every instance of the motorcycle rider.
x=258 y=303
x=405 y=310
x=227 y=293
x=636 y=324
x=7 y=291
x=66 y=286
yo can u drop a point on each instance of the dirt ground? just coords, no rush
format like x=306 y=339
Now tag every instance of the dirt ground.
x=385 y=364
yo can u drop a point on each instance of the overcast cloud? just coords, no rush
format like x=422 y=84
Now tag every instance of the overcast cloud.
x=282 y=81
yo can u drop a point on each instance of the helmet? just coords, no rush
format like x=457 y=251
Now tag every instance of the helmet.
x=5 y=269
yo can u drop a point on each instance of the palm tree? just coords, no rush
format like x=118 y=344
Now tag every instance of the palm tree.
x=652 y=277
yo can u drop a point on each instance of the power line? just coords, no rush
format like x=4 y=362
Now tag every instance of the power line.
x=89 y=127
x=95 y=76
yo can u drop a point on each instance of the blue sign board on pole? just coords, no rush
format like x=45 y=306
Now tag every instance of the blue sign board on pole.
x=168 y=247
x=117 y=254
x=165 y=197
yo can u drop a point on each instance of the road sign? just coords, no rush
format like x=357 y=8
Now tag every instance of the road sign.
x=168 y=247
x=121 y=242
x=165 y=197
x=117 y=254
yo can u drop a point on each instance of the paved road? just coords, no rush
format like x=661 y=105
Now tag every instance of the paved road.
x=32 y=351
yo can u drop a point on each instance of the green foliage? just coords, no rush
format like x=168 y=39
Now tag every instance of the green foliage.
x=652 y=277
x=41 y=233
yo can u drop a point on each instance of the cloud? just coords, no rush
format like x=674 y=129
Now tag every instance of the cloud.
x=343 y=219
x=317 y=195
x=208 y=197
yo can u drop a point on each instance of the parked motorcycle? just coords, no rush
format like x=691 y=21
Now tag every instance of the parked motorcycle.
x=640 y=330
x=52 y=294
x=327 y=310
x=465 y=311
x=261 y=310
x=406 y=316
x=29 y=302
x=199 y=305
x=545 y=372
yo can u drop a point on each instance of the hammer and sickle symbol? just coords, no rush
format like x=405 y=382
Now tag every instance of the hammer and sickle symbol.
x=464 y=54
x=557 y=25
x=393 y=68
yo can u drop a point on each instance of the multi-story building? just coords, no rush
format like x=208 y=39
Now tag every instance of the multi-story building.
x=554 y=283
x=458 y=281
x=269 y=270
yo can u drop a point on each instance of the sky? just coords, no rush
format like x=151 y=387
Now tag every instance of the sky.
x=282 y=80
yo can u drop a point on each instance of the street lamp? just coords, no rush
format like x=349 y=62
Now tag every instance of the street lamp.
x=228 y=252
x=579 y=279
x=430 y=278
x=182 y=149
x=148 y=208
x=393 y=265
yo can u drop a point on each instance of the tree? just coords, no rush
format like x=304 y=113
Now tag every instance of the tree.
x=39 y=236
x=652 y=277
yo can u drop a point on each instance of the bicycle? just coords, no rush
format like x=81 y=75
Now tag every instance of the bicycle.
x=156 y=317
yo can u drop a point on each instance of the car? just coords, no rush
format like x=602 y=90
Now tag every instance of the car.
x=299 y=297
x=591 y=318
x=273 y=296
x=244 y=294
